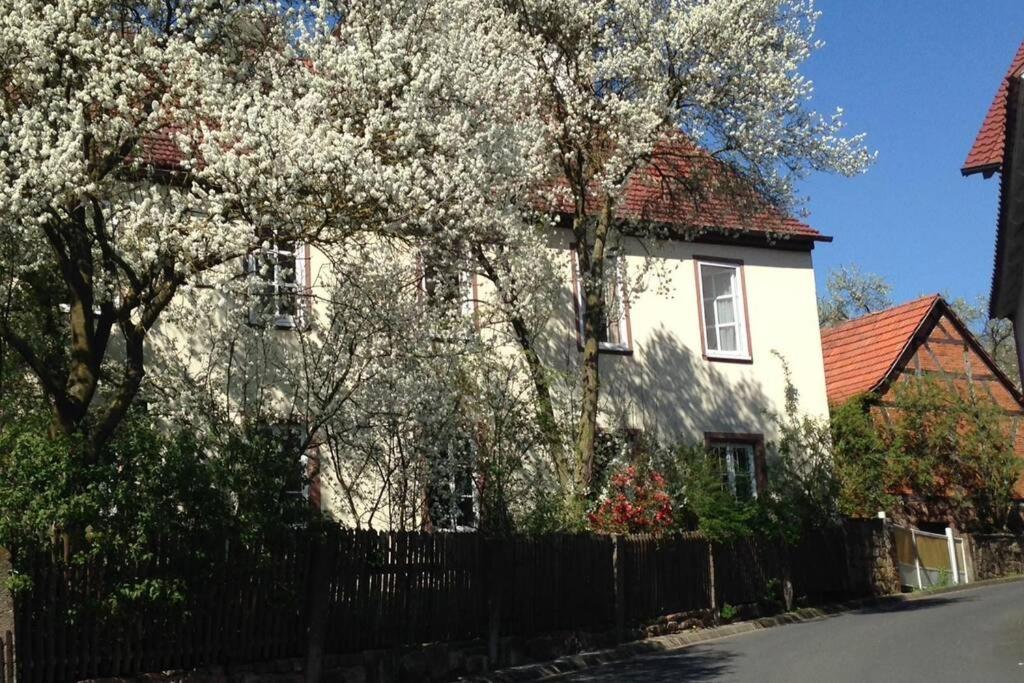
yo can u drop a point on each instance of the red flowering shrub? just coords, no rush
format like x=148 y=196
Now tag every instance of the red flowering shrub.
x=636 y=502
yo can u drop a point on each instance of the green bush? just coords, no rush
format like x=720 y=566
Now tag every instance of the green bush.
x=148 y=487
x=931 y=441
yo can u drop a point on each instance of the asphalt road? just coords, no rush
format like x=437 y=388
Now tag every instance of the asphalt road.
x=972 y=635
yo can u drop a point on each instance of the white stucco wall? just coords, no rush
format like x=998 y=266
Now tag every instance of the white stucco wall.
x=668 y=386
x=665 y=386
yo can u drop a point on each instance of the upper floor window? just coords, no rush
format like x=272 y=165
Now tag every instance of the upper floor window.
x=723 y=310
x=278 y=283
x=448 y=286
x=740 y=465
x=613 y=326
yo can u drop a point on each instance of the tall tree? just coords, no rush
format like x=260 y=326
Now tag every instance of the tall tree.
x=614 y=78
x=104 y=213
x=145 y=147
x=851 y=293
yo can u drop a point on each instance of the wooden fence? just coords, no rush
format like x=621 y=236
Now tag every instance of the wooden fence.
x=384 y=590
x=7 y=657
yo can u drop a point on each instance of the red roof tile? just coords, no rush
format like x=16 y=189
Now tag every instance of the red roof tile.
x=685 y=187
x=860 y=354
x=987 y=152
x=657 y=193
x=160 y=150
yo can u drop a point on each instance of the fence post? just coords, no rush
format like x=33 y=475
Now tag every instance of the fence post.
x=619 y=583
x=494 y=566
x=323 y=550
x=712 y=590
x=917 y=558
x=6 y=599
x=8 y=658
x=951 y=547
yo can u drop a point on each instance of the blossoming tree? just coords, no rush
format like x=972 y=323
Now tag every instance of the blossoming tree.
x=146 y=148
x=615 y=78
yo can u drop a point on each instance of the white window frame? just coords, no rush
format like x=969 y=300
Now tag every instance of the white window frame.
x=626 y=343
x=282 y=432
x=466 y=286
x=253 y=266
x=728 y=449
x=455 y=498
x=458 y=498
x=742 y=351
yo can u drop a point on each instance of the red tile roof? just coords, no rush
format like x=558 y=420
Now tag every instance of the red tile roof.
x=656 y=193
x=160 y=150
x=861 y=354
x=987 y=153
x=687 y=188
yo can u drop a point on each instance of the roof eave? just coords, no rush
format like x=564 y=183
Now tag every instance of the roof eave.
x=1009 y=253
x=987 y=170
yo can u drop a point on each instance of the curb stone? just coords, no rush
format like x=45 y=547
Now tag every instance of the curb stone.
x=678 y=641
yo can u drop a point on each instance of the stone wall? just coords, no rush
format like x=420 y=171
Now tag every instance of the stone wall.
x=996 y=555
x=871 y=557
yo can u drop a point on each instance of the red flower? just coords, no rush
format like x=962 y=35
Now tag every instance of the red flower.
x=635 y=503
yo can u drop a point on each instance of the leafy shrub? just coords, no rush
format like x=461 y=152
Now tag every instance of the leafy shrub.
x=636 y=502
x=931 y=441
x=728 y=613
x=703 y=501
x=149 y=488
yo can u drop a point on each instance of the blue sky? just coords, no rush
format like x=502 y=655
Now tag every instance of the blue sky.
x=917 y=77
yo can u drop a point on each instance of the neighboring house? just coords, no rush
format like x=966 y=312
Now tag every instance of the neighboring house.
x=999 y=148
x=694 y=357
x=919 y=338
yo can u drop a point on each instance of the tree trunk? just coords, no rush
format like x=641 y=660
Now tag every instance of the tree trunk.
x=545 y=405
x=592 y=261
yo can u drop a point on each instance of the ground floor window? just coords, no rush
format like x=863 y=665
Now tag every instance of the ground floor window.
x=452 y=503
x=741 y=459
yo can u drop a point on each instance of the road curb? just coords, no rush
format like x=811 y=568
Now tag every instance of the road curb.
x=678 y=641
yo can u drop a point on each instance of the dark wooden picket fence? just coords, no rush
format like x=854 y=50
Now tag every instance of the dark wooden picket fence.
x=7 y=657
x=384 y=590
x=665 y=576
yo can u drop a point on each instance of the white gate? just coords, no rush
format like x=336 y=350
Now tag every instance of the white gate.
x=929 y=560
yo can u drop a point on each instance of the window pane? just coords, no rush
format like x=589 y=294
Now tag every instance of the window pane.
x=744 y=465
x=725 y=310
x=721 y=454
x=286 y=267
x=613 y=304
x=727 y=338
x=723 y=324
x=266 y=299
x=288 y=300
x=711 y=335
x=717 y=280
x=737 y=463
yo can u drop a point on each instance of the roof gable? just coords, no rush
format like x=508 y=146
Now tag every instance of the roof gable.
x=866 y=354
x=686 y=190
x=860 y=355
x=986 y=155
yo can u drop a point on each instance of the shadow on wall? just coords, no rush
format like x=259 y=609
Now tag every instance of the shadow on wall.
x=665 y=386
x=672 y=391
